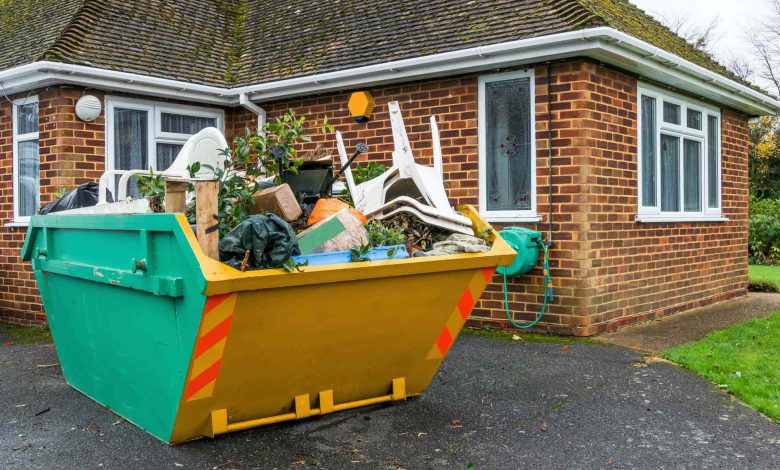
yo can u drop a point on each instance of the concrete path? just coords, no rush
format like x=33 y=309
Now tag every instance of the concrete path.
x=496 y=403
x=656 y=336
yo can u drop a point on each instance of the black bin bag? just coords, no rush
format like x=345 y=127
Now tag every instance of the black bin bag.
x=85 y=195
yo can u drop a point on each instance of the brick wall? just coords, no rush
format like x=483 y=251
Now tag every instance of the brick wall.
x=71 y=153
x=608 y=270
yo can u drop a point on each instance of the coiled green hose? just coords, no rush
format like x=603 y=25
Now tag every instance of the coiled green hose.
x=548 y=293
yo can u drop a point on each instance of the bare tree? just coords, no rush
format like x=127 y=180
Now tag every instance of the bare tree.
x=741 y=67
x=766 y=43
x=702 y=37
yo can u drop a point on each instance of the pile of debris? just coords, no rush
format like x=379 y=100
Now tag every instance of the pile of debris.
x=305 y=219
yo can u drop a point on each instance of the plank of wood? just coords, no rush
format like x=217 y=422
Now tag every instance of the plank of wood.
x=205 y=216
x=176 y=195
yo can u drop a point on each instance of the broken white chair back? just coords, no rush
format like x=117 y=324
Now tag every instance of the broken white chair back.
x=428 y=180
x=370 y=197
x=204 y=147
x=366 y=196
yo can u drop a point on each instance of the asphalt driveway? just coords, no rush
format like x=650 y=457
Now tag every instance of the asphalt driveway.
x=496 y=403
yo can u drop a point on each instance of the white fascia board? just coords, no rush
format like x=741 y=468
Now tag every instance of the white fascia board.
x=640 y=57
x=41 y=74
x=603 y=44
x=524 y=51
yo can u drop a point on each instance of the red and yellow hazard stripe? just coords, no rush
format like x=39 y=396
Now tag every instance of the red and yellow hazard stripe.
x=461 y=312
x=210 y=346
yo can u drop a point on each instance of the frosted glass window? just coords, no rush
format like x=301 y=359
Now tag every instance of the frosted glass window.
x=508 y=108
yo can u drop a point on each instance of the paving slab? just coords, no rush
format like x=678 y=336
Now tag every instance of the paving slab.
x=496 y=403
x=659 y=335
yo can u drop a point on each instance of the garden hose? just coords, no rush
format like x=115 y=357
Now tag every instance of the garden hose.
x=548 y=293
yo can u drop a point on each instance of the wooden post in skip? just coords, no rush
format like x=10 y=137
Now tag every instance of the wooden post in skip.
x=206 y=192
x=176 y=195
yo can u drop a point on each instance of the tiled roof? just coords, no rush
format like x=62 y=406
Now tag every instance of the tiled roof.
x=28 y=28
x=185 y=40
x=285 y=38
x=241 y=42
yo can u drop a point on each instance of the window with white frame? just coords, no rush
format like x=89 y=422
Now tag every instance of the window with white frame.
x=26 y=159
x=507 y=166
x=141 y=135
x=679 y=158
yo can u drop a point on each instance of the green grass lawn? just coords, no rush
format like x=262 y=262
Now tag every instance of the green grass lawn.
x=765 y=278
x=744 y=359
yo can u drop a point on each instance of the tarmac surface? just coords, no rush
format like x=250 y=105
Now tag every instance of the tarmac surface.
x=495 y=404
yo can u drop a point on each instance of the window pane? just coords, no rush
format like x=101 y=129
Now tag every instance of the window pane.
x=648 y=151
x=27 y=118
x=131 y=143
x=508 y=160
x=692 y=175
x=670 y=173
x=166 y=154
x=29 y=177
x=713 y=163
x=181 y=124
x=671 y=113
x=694 y=119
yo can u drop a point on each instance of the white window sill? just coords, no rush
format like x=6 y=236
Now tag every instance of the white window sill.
x=15 y=223
x=530 y=219
x=677 y=218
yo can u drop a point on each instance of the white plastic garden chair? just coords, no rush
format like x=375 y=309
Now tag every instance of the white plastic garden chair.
x=429 y=181
x=372 y=197
x=203 y=147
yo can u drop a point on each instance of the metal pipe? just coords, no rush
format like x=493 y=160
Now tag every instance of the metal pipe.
x=549 y=155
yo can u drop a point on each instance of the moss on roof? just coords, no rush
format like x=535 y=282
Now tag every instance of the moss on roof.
x=240 y=42
x=630 y=19
x=28 y=28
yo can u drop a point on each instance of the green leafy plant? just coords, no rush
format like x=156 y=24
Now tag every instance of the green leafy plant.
x=360 y=253
x=193 y=169
x=269 y=152
x=764 y=231
x=380 y=234
x=59 y=194
x=150 y=185
x=367 y=172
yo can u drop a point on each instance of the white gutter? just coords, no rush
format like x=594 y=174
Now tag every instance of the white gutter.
x=603 y=44
x=244 y=101
x=41 y=74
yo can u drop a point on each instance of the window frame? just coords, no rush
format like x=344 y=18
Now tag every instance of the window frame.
x=528 y=215
x=154 y=131
x=17 y=139
x=683 y=132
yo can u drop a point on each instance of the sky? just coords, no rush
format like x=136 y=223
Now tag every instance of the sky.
x=735 y=17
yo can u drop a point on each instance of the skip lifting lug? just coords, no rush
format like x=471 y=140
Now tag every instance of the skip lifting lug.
x=138 y=265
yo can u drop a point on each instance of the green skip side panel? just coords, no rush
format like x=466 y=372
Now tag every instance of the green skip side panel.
x=123 y=338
